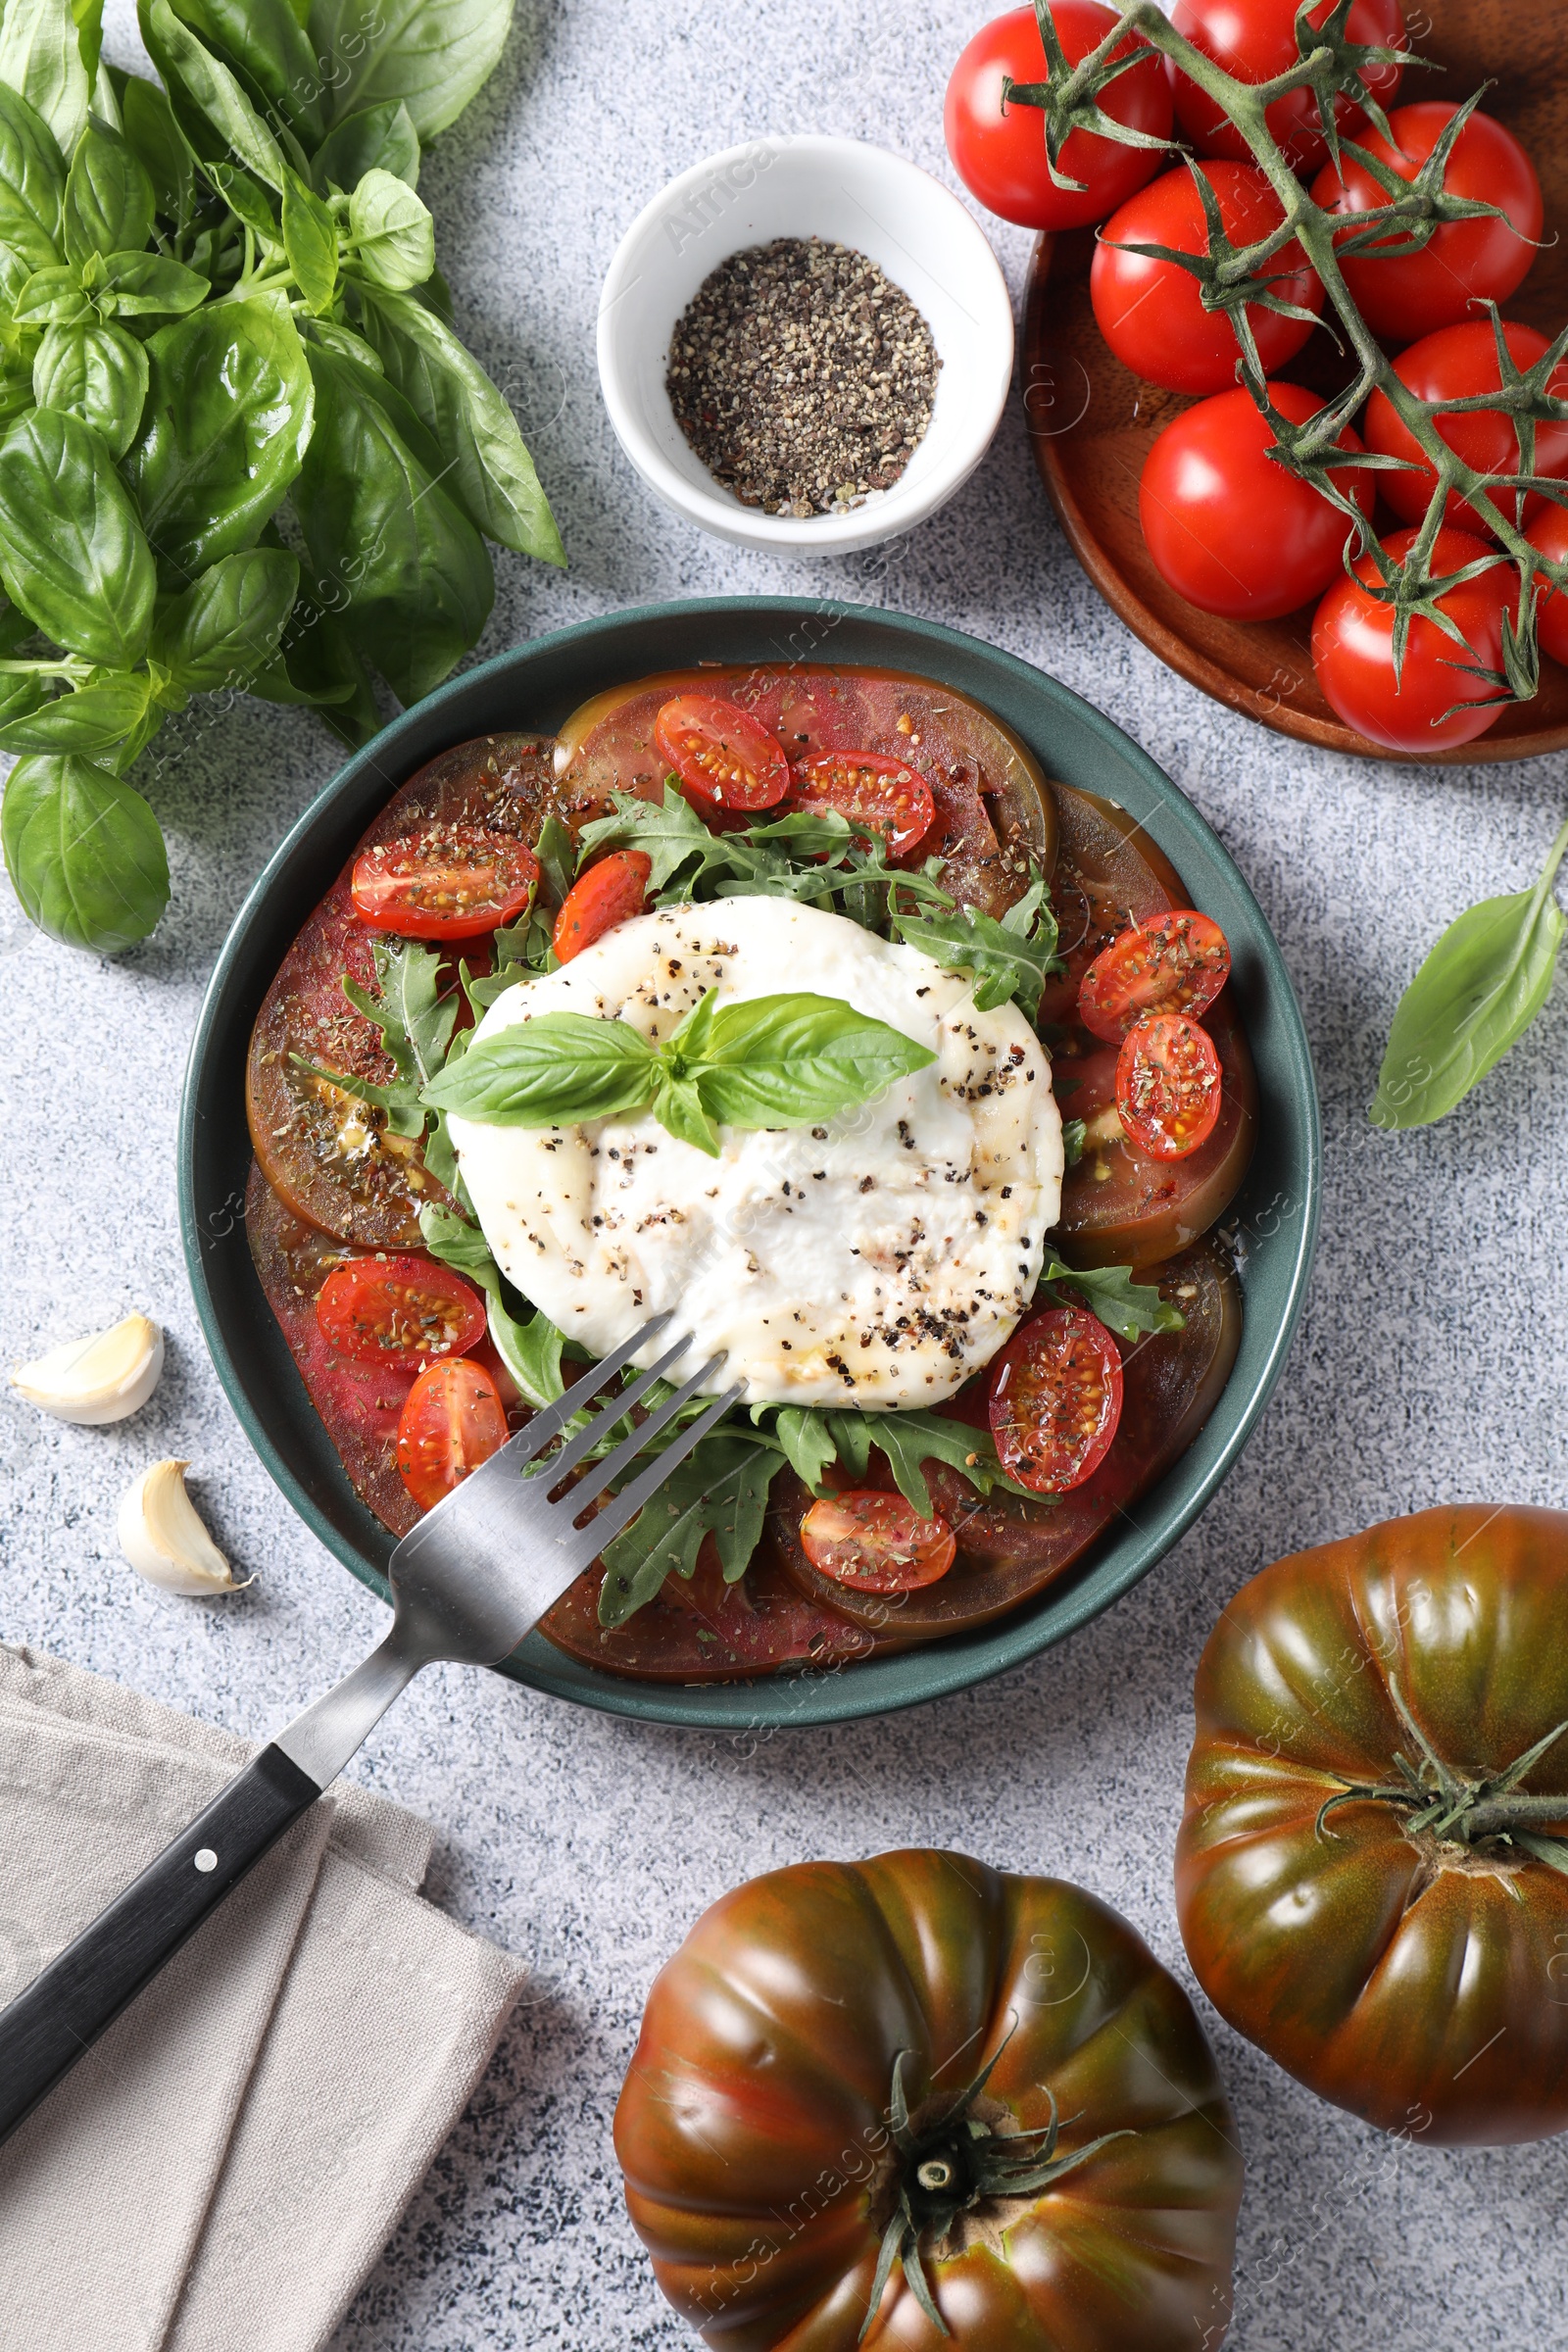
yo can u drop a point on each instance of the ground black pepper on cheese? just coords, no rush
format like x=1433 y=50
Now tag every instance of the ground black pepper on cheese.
x=802 y=376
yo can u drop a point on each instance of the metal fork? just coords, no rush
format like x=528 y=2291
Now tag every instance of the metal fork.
x=467 y=1582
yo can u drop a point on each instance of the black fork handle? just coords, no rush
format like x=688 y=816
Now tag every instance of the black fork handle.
x=61 y=2014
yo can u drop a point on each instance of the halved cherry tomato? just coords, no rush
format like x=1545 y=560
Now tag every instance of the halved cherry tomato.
x=1055 y=1399
x=1176 y=963
x=877 y=795
x=609 y=893
x=1168 y=1084
x=399 y=1312
x=452 y=1421
x=875 y=1543
x=719 y=752
x=451 y=884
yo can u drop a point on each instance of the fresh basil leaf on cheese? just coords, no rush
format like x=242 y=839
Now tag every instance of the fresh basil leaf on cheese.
x=551 y=1072
x=782 y=1062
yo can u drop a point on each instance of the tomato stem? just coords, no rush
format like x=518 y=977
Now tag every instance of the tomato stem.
x=1460 y=1808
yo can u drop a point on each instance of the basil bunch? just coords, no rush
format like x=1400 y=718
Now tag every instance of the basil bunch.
x=242 y=444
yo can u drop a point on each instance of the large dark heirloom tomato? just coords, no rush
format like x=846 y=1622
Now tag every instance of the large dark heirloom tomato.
x=866 y=2094
x=1370 y=1870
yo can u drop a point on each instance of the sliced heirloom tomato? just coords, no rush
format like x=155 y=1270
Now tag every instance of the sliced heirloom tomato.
x=721 y=753
x=455 y=884
x=1176 y=963
x=877 y=795
x=1168 y=1084
x=875 y=1543
x=401 y=1311
x=452 y=1421
x=611 y=892
x=1055 y=1399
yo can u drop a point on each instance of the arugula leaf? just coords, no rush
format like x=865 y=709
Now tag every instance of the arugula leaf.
x=721 y=1489
x=1074 y=1135
x=808 y=1443
x=530 y=1349
x=1475 y=994
x=556 y=854
x=1127 y=1308
x=1012 y=958
x=669 y=832
x=811 y=1438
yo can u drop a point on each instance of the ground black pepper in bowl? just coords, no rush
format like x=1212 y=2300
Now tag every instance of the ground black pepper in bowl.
x=802 y=376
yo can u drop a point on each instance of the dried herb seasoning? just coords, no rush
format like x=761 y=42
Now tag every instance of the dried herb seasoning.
x=802 y=376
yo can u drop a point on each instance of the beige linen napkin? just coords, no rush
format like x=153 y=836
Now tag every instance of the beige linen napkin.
x=221 y=2171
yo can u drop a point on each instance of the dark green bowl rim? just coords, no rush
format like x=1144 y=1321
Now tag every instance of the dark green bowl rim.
x=1276 y=1214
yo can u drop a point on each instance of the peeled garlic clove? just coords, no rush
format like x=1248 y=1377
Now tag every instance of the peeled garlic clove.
x=104 y=1378
x=163 y=1538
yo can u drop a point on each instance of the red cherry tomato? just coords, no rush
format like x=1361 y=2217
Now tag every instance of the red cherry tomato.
x=1455 y=363
x=1152 y=313
x=1352 y=652
x=1176 y=963
x=609 y=893
x=455 y=884
x=1227 y=525
x=1168 y=1084
x=1548 y=529
x=876 y=794
x=1055 y=1399
x=1402 y=295
x=451 y=1422
x=399 y=1312
x=1255 y=40
x=720 y=753
x=998 y=150
x=876 y=1543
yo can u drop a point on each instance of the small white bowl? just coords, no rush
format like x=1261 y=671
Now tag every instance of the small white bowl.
x=848 y=193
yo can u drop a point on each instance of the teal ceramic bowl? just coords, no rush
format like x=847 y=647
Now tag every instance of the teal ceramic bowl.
x=536 y=687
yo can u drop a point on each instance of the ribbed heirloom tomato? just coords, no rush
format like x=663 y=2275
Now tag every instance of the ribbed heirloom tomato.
x=916 y=2103
x=1369 y=1874
x=1254 y=40
x=1352 y=651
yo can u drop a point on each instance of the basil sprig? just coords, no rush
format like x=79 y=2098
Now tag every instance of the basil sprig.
x=770 y=1062
x=1475 y=996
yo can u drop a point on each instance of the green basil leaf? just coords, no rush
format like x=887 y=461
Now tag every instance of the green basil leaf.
x=378 y=139
x=493 y=475
x=1475 y=994
x=228 y=623
x=98 y=373
x=1011 y=958
x=408 y=574
x=145 y=285
x=265 y=41
x=159 y=145
x=316 y=665
x=84 y=854
x=1074 y=1135
x=20 y=694
x=436 y=59
x=51 y=297
x=16 y=390
x=309 y=239
x=73 y=553
x=110 y=203
x=214 y=90
x=33 y=182
x=344 y=343
x=551 y=1072
x=1128 y=1308
x=784 y=1060
x=89 y=21
x=228 y=417
x=719 y=1490
x=94 y=719
x=246 y=198
x=677 y=1105
x=394 y=235
x=40 y=60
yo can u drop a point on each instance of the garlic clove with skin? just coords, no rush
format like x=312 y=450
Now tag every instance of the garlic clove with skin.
x=106 y=1377
x=161 y=1535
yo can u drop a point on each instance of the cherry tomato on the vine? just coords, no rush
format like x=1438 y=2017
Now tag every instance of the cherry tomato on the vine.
x=1464 y=263
x=609 y=893
x=875 y=1543
x=1176 y=963
x=452 y=1421
x=1254 y=40
x=454 y=884
x=998 y=149
x=720 y=753
x=1055 y=1399
x=1168 y=1084
x=1435 y=702
x=1151 y=313
x=1225 y=523
x=876 y=794
x=399 y=1311
x=1456 y=363
x=1548 y=529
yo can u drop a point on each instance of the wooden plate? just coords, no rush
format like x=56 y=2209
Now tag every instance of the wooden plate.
x=1092 y=421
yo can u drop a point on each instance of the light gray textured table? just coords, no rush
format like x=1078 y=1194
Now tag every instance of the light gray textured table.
x=1430 y=1365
